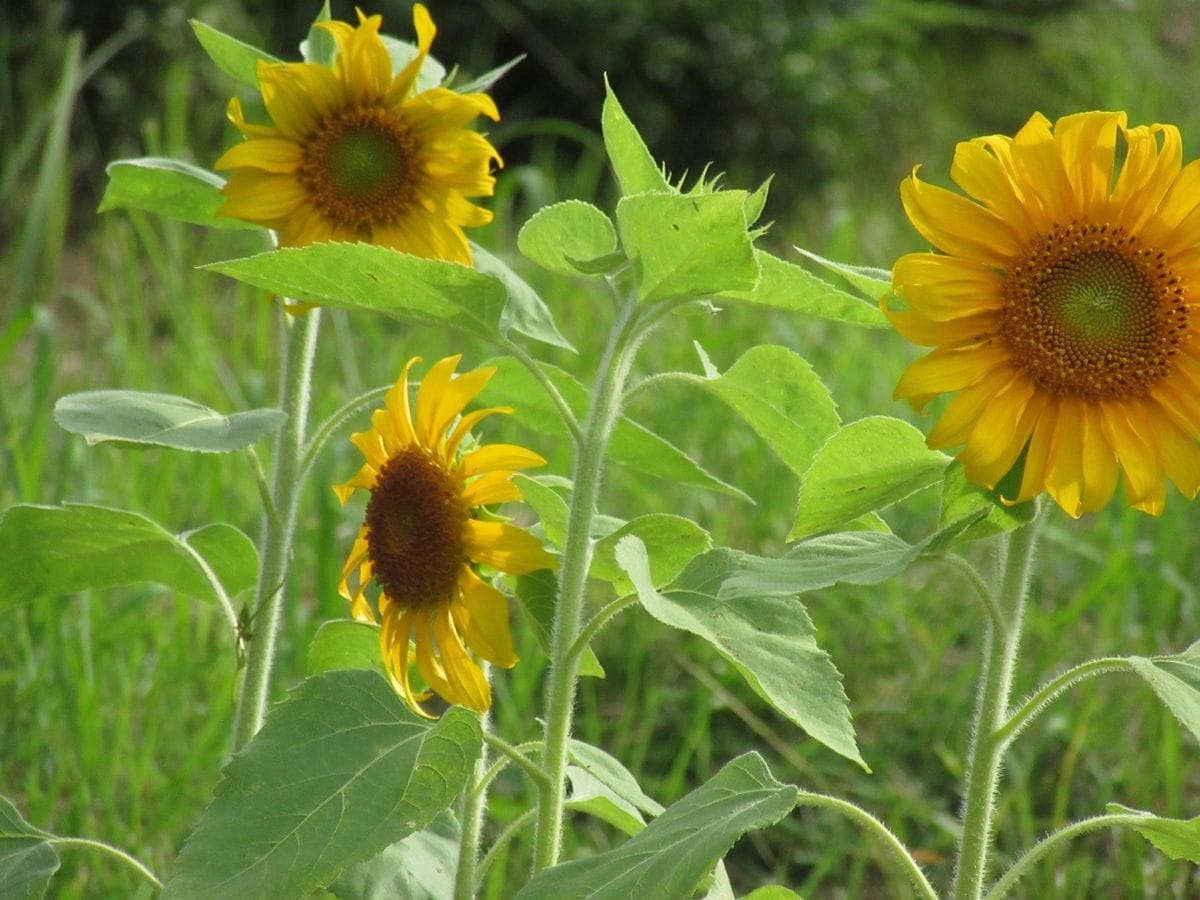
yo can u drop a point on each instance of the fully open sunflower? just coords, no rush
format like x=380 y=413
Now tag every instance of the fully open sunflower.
x=356 y=154
x=1062 y=309
x=422 y=537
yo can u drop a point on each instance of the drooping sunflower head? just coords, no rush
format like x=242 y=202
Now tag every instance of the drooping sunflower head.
x=356 y=153
x=1062 y=307
x=423 y=538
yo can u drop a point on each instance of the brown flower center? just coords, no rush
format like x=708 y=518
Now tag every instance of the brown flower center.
x=1092 y=312
x=360 y=168
x=414 y=529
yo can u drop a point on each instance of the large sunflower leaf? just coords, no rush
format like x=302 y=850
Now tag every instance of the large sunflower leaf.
x=1177 y=838
x=611 y=772
x=783 y=285
x=671 y=542
x=170 y=188
x=767 y=636
x=27 y=859
x=864 y=467
x=632 y=445
x=163 y=420
x=345 y=644
x=341 y=770
x=687 y=245
x=420 y=867
x=777 y=394
x=562 y=236
x=379 y=279
x=1176 y=681
x=870 y=282
x=52 y=550
x=235 y=58
x=635 y=168
x=673 y=854
x=526 y=312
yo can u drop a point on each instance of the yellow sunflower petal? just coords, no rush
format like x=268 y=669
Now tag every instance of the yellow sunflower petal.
x=298 y=96
x=505 y=547
x=402 y=85
x=467 y=683
x=429 y=665
x=268 y=154
x=931 y=332
x=1089 y=141
x=260 y=196
x=1141 y=469
x=982 y=174
x=947 y=370
x=393 y=641
x=398 y=405
x=956 y=225
x=498 y=456
x=1146 y=175
x=1038 y=453
x=1001 y=432
x=466 y=423
x=365 y=479
x=237 y=116
x=494 y=487
x=955 y=424
x=482 y=616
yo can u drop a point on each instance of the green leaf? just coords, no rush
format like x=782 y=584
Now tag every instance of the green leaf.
x=768 y=638
x=670 y=541
x=632 y=445
x=1176 y=681
x=484 y=82
x=163 y=420
x=772 y=892
x=319 y=47
x=551 y=509
x=689 y=245
x=962 y=498
x=235 y=58
x=610 y=772
x=526 y=313
x=170 y=188
x=345 y=644
x=369 y=277
x=866 y=466
x=77 y=547
x=590 y=795
x=231 y=555
x=420 y=867
x=778 y=394
x=27 y=859
x=341 y=770
x=1177 y=838
x=537 y=598
x=782 y=285
x=672 y=854
x=561 y=236
x=870 y=282
x=855 y=557
x=635 y=168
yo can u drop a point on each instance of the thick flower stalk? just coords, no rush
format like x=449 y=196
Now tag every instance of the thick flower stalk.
x=355 y=153
x=424 y=537
x=1062 y=306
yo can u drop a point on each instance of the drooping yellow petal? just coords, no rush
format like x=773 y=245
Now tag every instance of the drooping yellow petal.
x=947 y=370
x=494 y=487
x=957 y=226
x=498 y=456
x=482 y=617
x=468 y=687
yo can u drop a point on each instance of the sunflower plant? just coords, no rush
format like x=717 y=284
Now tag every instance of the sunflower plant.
x=1056 y=296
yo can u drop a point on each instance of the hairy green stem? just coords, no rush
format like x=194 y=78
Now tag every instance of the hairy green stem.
x=60 y=843
x=1000 y=647
x=1035 y=853
x=861 y=817
x=598 y=621
x=501 y=842
x=298 y=351
x=474 y=806
x=1044 y=695
x=604 y=409
x=515 y=755
x=986 y=595
x=560 y=403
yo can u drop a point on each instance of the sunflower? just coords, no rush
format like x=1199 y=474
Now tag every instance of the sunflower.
x=422 y=534
x=356 y=154
x=1062 y=310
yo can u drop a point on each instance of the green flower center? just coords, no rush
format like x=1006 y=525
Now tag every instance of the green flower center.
x=360 y=169
x=1091 y=312
x=414 y=524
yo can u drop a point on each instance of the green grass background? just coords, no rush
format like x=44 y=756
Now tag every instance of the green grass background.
x=115 y=707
